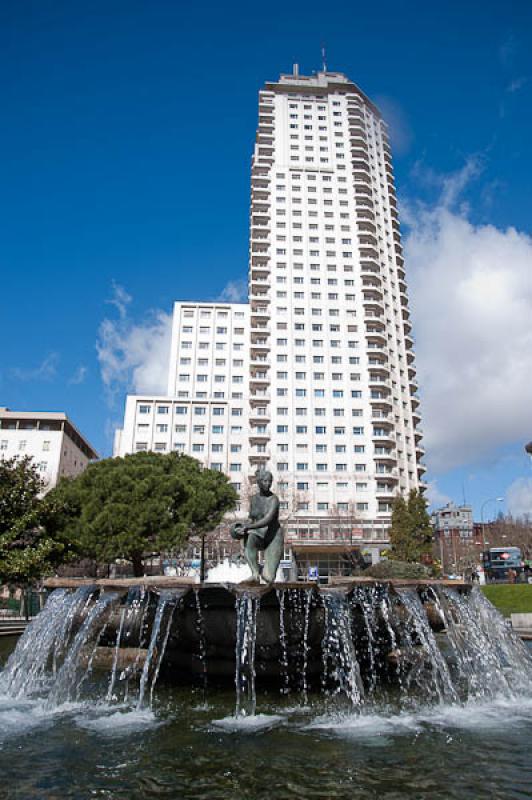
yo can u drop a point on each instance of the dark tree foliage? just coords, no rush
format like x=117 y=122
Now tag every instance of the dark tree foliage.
x=141 y=504
x=411 y=531
x=29 y=548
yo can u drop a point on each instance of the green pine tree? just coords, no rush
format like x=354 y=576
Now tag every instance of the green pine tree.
x=411 y=531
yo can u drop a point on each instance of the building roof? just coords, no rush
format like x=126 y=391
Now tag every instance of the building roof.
x=319 y=82
x=54 y=416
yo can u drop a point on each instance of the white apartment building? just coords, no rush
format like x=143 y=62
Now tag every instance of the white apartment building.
x=205 y=412
x=329 y=308
x=58 y=449
x=325 y=392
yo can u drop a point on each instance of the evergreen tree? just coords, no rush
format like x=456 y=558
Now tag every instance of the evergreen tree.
x=411 y=531
x=142 y=504
x=28 y=548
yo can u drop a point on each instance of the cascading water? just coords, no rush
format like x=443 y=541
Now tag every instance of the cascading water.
x=439 y=682
x=371 y=645
x=157 y=646
x=202 y=649
x=489 y=658
x=247 y=608
x=285 y=677
x=340 y=664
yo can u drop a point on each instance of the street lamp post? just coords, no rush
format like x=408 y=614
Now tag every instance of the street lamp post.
x=489 y=500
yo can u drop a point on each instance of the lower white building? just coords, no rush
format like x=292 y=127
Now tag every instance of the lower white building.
x=205 y=412
x=58 y=449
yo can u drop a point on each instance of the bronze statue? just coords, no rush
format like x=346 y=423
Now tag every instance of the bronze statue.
x=262 y=531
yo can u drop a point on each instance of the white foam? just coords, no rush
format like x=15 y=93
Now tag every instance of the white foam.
x=119 y=722
x=19 y=716
x=367 y=726
x=228 y=572
x=254 y=723
x=493 y=714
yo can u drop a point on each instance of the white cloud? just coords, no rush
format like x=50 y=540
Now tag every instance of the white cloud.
x=435 y=497
x=46 y=371
x=517 y=84
x=234 y=292
x=79 y=376
x=120 y=299
x=133 y=355
x=471 y=290
x=519 y=497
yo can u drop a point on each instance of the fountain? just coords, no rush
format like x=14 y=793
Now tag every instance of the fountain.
x=373 y=661
x=438 y=640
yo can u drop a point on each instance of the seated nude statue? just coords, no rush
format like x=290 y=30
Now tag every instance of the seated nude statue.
x=262 y=531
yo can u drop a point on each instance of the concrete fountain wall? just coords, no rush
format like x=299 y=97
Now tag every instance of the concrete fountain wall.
x=202 y=628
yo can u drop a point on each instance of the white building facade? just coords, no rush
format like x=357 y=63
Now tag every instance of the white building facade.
x=332 y=365
x=205 y=411
x=57 y=448
x=314 y=378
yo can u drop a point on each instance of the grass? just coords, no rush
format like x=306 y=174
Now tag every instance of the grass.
x=510 y=598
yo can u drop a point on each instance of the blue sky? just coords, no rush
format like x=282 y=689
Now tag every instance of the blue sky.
x=110 y=178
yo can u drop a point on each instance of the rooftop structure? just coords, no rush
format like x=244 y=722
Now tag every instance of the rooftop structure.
x=50 y=438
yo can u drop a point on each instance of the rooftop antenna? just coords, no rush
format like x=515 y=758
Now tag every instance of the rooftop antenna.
x=295 y=70
x=323 y=58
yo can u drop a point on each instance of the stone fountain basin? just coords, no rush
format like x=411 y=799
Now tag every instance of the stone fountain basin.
x=203 y=632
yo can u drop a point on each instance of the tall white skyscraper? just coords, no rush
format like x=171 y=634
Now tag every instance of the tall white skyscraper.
x=331 y=360
x=327 y=385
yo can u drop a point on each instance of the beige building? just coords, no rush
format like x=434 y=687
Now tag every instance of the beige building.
x=50 y=438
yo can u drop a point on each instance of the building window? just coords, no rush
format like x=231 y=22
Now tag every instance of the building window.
x=144 y=409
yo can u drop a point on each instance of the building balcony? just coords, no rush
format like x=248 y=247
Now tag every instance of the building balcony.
x=372 y=284
x=365 y=215
x=259 y=396
x=386 y=420
x=373 y=295
x=260 y=311
x=260 y=327
x=362 y=179
x=365 y=226
x=388 y=457
x=372 y=305
x=379 y=381
x=257 y=436
x=369 y=253
x=376 y=320
x=259 y=458
x=376 y=337
x=258 y=361
x=375 y=349
x=360 y=153
x=259 y=413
